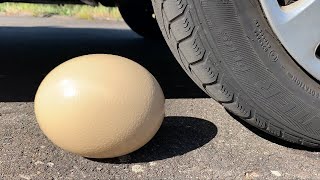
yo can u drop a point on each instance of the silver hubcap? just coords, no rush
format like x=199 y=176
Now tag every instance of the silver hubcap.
x=298 y=28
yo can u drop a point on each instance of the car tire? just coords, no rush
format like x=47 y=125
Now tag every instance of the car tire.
x=139 y=17
x=230 y=51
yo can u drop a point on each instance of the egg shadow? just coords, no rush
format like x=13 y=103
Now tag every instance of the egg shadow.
x=176 y=136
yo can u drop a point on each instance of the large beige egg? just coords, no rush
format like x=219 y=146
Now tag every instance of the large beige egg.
x=99 y=106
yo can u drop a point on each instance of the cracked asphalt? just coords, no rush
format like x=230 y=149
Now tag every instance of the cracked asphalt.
x=198 y=138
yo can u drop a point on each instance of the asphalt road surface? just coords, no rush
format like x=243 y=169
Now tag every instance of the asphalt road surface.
x=198 y=138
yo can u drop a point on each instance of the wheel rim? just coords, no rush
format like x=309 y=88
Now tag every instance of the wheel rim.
x=298 y=28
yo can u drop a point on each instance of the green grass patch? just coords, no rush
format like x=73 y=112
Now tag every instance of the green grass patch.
x=79 y=11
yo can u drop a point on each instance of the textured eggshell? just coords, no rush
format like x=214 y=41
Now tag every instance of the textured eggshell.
x=99 y=106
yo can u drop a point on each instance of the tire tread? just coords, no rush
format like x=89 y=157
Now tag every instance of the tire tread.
x=182 y=33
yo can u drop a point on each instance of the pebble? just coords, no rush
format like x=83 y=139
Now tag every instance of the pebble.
x=276 y=173
x=152 y=163
x=24 y=176
x=137 y=168
x=251 y=175
x=38 y=162
x=50 y=164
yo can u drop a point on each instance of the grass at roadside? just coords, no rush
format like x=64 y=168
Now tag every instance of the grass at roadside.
x=79 y=11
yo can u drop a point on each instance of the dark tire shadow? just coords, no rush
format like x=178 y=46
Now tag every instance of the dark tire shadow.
x=177 y=136
x=30 y=53
x=272 y=138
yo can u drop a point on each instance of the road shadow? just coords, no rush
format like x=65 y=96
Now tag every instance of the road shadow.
x=177 y=136
x=272 y=138
x=29 y=53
